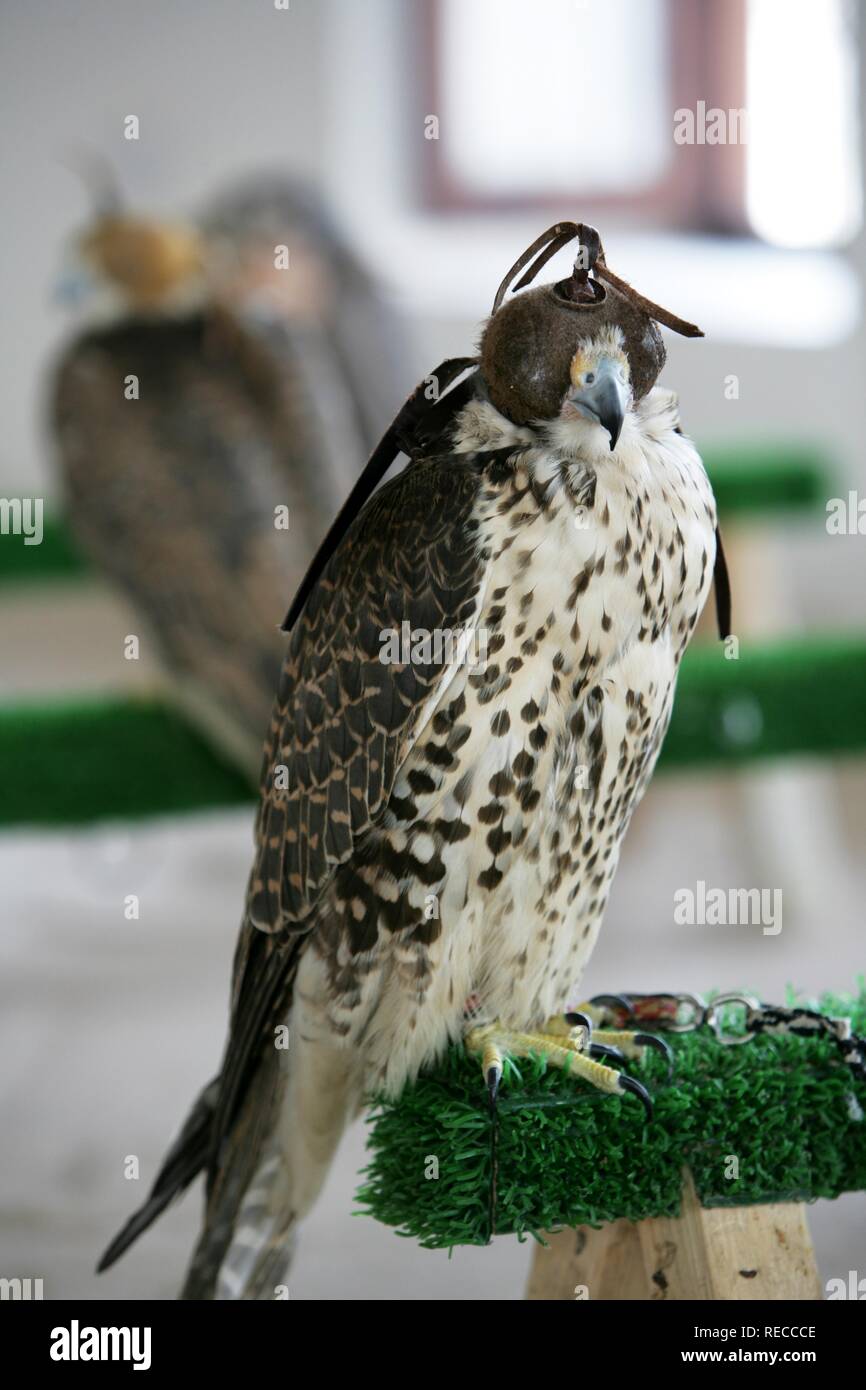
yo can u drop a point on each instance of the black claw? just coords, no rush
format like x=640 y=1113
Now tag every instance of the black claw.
x=605 y=1050
x=615 y=1001
x=652 y=1040
x=628 y=1083
x=494 y=1076
x=576 y=1020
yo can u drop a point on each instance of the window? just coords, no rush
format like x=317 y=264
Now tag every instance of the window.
x=539 y=110
x=579 y=104
x=803 y=177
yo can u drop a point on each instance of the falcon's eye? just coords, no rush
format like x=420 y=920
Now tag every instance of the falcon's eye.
x=589 y=378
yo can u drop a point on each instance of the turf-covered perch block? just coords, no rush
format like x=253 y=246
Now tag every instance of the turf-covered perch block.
x=80 y=760
x=105 y=758
x=779 y=1118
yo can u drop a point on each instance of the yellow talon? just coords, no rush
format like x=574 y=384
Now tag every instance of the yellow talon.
x=563 y=1045
x=628 y=1043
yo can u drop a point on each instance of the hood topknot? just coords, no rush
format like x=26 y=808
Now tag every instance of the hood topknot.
x=528 y=344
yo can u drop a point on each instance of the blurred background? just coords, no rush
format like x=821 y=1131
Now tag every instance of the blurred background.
x=443 y=136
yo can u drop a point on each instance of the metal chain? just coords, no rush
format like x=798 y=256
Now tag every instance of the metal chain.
x=685 y=1013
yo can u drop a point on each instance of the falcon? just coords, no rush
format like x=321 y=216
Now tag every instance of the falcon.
x=438 y=833
x=204 y=440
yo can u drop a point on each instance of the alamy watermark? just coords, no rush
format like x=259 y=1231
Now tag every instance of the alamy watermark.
x=710 y=125
x=853 y=1288
x=22 y=516
x=846 y=516
x=21 y=1290
x=77 y=1343
x=421 y=646
x=729 y=907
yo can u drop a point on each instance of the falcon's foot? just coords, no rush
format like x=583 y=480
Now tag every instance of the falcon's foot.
x=571 y=1042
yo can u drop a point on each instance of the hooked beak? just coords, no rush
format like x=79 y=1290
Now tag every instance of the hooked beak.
x=605 y=401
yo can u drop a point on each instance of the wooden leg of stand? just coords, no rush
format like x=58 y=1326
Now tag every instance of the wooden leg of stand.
x=585 y=1263
x=730 y=1253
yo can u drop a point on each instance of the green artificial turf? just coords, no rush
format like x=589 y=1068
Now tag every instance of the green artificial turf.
x=762 y=479
x=74 y=761
x=559 y=1153
x=70 y=763
x=795 y=695
x=55 y=558
x=757 y=479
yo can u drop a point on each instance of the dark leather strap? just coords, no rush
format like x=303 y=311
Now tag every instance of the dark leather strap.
x=722 y=584
x=409 y=429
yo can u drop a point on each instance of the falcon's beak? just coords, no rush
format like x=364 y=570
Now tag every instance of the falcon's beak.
x=606 y=400
x=75 y=283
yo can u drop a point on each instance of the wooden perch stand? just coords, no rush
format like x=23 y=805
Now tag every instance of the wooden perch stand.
x=735 y=1254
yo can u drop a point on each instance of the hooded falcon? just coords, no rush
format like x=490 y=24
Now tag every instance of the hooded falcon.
x=479 y=677
x=205 y=442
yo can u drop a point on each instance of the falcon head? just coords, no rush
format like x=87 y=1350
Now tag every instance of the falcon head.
x=133 y=264
x=148 y=262
x=599 y=383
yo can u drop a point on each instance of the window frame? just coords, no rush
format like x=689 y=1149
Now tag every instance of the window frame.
x=707 y=40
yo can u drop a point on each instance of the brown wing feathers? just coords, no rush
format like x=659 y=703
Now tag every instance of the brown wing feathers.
x=340 y=729
x=342 y=717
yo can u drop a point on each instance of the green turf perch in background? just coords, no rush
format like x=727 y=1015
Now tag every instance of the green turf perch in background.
x=778 y=1119
x=748 y=481
x=129 y=757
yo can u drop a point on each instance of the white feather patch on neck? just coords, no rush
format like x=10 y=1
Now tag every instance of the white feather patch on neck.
x=480 y=425
x=659 y=411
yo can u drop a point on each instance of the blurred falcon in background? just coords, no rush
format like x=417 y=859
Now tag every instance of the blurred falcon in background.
x=209 y=422
x=347 y=340
x=438 y=832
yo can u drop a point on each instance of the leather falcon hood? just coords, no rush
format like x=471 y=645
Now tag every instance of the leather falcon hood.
x=528 y=343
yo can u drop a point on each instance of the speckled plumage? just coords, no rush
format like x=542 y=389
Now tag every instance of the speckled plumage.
x=454 y=831
x=433 y=830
